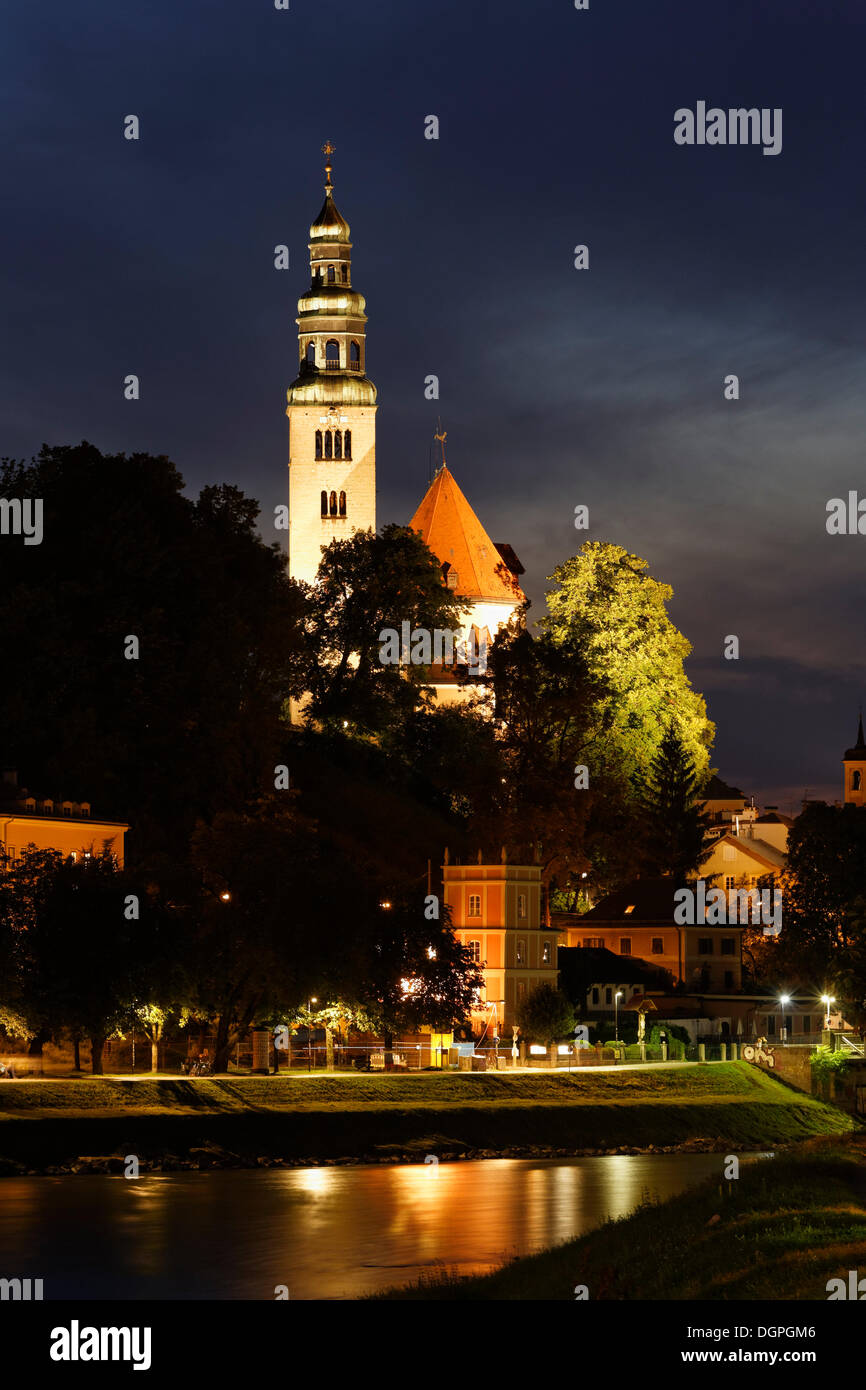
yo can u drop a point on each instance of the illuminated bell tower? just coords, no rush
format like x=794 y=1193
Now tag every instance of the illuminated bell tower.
x=332 y=404
x=854 y=763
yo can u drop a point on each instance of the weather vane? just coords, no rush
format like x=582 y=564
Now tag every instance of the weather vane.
x=327 y=151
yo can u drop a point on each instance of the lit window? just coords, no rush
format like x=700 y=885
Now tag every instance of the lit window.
x=545 y=953
x=629 y=909
x=521 y=904
x=521 y=952
x=474 y=905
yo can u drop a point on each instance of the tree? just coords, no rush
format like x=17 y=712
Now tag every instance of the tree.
x=192 y=724
x=412 y=972
x=545 y=1015
x=66 y=937
x=674 y=822
x=365 y=585
x=821 y=941
x=608 y=608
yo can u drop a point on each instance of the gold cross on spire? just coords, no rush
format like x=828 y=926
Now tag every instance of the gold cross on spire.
x=327 y=151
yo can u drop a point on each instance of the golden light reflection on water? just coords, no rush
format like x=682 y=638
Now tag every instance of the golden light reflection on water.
x=329 y=1232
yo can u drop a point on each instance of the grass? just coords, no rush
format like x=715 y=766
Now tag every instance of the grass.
x=322 y=1116
x=780 y=1231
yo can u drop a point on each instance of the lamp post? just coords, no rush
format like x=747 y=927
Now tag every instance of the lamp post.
x=784 y=1001
x=616 y=999
x=827 y=1000
x=313 y=1001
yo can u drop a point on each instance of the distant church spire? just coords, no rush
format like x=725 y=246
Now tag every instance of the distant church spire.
x=854 y=764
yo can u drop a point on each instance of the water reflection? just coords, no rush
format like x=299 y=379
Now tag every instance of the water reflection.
x=324 y=1232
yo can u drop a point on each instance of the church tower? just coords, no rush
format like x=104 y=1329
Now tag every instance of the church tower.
x=332 y=404
x=854 y=763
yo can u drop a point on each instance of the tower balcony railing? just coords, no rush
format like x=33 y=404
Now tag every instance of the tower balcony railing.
x=342 y=366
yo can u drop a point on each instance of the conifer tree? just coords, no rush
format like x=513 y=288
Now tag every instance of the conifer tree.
x=674 y=821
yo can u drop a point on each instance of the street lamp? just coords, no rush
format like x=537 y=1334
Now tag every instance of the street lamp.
x=827 y=1000
x=784 y=1000
x=313 y=1001
x=616 y=999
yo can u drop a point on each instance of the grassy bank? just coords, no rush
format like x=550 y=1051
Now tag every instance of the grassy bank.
x=50 y=1124
x=780 y=1231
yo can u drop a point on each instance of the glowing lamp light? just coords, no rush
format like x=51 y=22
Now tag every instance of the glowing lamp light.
x=225 y=897
x=537 y=1050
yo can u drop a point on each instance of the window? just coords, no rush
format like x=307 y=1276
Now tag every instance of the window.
x=729 y=852
x=545 y=953
x=318 y=444
x=67 y=810
x=342 y=504
x=332 y=353
x=730 y=882
x=311 y=354
x=347 y=444
x=324 y=504
x=329 y=444
x=338 y=444
x=521 y=904
x=771 y=1025
x=354 y=355
x=658 y=946
x=521 y=990
x=344 y=272
x=474 y=948
x=806 y=1024
x=608 y=995
x=705 y=945
x=629 y=909
x=855 y=781
x=521 y=952
x=333 y=504
x=729 y=946
x=474 y=905
x=594 y=995
x=729 y=979
x=332 y=275
x=596 y=941
x=625 y=945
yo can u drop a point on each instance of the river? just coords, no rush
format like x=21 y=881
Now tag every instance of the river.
x=324 y=1233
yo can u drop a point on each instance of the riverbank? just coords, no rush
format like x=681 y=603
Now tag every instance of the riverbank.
x=780 y=1231
x=92 y=1124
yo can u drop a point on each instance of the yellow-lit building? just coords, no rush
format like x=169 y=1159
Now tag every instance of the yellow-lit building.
x=496 y=913
x=49 y=823
x=854 y=776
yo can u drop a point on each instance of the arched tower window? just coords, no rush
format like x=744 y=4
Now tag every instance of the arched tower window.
x=342 y=504
x=311 y=353
x=332 y=354
x=328 y=444
x=338 y=444
x=354 y=355
x=347 y=444
x=324 y=504
x=332 y=275
x=856 y=781
x=333 y=504
x=344 y=273
x=318 y=444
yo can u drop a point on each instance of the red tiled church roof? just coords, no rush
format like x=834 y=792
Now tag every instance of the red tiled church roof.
x=449 y=526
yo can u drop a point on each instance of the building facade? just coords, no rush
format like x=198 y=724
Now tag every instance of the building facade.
x=52 y=823
x=496 y=913
x=331 y=402
x=854 y=771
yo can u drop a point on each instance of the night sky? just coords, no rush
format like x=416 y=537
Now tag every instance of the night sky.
x=558 y=387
